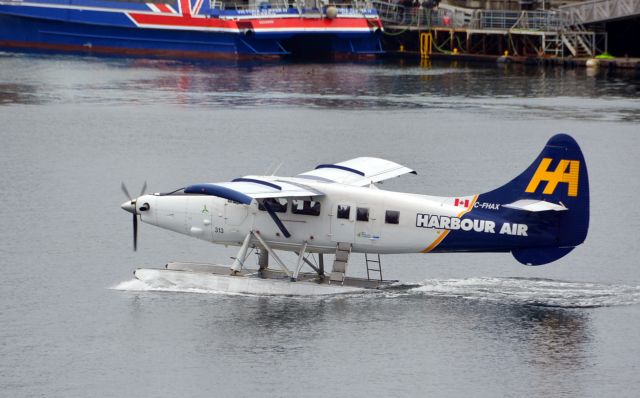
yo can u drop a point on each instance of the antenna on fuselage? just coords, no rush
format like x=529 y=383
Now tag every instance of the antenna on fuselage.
x=277 y=168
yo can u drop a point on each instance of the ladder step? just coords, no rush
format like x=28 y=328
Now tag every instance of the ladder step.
x=343 y=251
x=370 y=262
x=336 y=276
x=339 y=266
x=342 y=256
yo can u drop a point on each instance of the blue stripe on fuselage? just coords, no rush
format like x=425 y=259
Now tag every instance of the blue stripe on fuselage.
x=523 y=229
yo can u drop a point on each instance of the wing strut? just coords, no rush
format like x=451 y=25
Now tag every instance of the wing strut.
x=276 y=219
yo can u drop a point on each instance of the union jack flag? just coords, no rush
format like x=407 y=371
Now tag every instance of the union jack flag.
x=182 y=7
x=181 y=14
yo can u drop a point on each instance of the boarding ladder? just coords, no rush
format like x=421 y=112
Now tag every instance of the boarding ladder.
x=343 y=251
x=373 y=264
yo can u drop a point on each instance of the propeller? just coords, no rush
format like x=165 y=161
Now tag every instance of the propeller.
x=132 y=208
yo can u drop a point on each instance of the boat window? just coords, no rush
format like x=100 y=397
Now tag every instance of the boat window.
x=362 y=214
x=344 y=211
x=392 y=217
x=307 y=207
x=279 y=205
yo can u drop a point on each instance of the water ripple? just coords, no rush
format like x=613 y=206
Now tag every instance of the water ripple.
x=532 y=291
x=519 y=291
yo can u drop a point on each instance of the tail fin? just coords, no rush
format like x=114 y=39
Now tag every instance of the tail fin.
x=558 y=176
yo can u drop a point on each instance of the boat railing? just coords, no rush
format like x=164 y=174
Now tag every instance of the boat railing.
x=547 y=21
x=427 y=14
x=283 y=5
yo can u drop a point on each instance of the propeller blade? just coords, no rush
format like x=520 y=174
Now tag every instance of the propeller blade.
x=144 y=188
x=125 y=190
x=133 y=209
x=135 y=232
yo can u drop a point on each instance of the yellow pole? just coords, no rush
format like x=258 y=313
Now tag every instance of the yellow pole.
x=426 y=44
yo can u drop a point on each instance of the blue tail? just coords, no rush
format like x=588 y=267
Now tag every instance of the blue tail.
x=557 y=176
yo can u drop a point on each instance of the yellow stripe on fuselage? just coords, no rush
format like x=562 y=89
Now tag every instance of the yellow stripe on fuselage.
x=444 y=233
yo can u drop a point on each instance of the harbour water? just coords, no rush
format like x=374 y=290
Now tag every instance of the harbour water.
x=73 y=322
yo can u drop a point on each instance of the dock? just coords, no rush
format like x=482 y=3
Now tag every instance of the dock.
x=570 y=36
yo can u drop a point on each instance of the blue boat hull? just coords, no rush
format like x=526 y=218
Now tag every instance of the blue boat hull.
x=96 y=32
x=43 y=34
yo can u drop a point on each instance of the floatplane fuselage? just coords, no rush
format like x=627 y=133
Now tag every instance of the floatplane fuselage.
x=370 y=219
x=539 y=216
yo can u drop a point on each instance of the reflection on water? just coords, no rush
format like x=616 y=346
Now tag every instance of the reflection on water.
x=543 y=335
x=546 y=338
x=552 y=343
x=558 y=338
x=380 y=84
x=13 y=93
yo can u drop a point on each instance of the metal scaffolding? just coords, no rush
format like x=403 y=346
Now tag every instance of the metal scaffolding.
x=543 y=32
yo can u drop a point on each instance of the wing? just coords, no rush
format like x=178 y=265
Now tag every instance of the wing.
x=357 y=172
x=245 y=189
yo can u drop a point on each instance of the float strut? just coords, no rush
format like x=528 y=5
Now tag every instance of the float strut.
x=263 y=259
x=300 y=262
x=310 y=264
x=271 y=252
x=238 y=262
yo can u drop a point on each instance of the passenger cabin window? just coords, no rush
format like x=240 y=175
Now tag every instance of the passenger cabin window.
x=362 y=214
x=306 y=207
x=392 y=217
x=344 y=211
x=278 y=205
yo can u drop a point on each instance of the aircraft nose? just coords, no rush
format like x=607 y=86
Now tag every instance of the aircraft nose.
x=127 y=206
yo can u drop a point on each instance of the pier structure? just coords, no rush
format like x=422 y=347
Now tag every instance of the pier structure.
x=571 y=31
x=591 y=11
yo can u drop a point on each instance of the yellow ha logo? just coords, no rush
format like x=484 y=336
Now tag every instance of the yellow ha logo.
x=567 y=171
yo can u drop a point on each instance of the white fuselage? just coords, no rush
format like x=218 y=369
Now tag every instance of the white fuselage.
x=221 y=221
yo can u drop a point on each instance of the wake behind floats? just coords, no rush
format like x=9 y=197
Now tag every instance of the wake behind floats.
x=193 y=28
x=539 y=217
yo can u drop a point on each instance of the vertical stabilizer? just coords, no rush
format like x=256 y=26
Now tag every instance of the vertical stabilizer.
x=558 y=176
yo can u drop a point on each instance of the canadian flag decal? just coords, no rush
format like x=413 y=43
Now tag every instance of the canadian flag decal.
x=461 y=202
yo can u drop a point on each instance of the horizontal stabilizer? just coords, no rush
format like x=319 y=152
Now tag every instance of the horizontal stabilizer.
x=535 y=205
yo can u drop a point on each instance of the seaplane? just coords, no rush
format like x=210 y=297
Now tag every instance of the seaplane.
x=338 y=209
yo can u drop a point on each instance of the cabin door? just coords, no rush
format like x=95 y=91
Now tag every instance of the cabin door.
x=343 y=222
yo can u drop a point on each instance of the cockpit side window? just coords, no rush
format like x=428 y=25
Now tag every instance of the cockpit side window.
x=306 y=207
x=279 y=205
